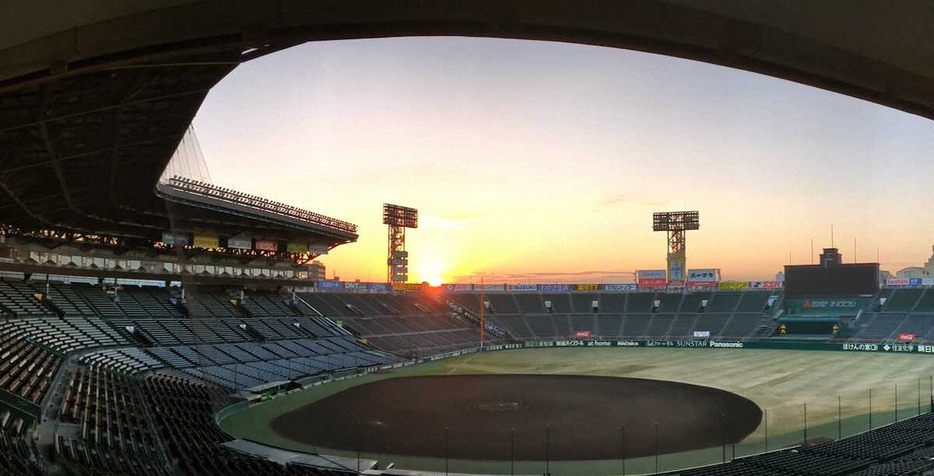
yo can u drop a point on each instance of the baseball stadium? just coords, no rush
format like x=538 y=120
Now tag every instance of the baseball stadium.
x=153 y=322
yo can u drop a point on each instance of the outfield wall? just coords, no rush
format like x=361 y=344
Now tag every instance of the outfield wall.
x=900 y=348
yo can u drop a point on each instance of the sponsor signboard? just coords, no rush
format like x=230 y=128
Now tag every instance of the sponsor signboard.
x=330 y=285
x=267 y=245
x=296 y=247
x=586 y=287
x=378 y=287
x=354 y=286
x=676 y=268
x=733 y=285
x=927 y=281
x=914 y=282
x=897 y=282
x=521 y=288
x=206 y=241
x=765 y=285
x=620 y=287
x=826 y=304
x=489 y=287
x=704 y=277
x=702 y=334
x=552 y=288
x=906 y=337
x=651 y=278
x=318 y=249
x=240 y=242
x=583 y=335
x=459 y=288
x=175 y=239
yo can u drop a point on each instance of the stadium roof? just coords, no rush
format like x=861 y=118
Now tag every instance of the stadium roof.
x=95 y=99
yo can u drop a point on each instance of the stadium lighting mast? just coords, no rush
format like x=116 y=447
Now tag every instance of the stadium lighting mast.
x=676 y=224
x=398 y=218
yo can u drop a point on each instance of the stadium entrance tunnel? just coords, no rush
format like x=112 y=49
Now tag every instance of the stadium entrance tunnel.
x=522 y=417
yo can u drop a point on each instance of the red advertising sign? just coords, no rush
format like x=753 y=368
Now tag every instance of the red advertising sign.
x=267 y=245
x=906 y=337
x=651 y=278
x=582 y=335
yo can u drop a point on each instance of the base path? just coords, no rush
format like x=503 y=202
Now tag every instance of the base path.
x=528 y=417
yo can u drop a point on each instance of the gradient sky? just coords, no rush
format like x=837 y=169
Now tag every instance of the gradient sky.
x=536 y=162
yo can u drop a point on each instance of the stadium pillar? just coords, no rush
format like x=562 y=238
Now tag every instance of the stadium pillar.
x=358 y=447
x=623 y=447
x=547 y=460
x=919 y=395
x=656 y=447
x=870 y=408
x=445 y=451
x=723 y=434
x=896 y=401
x=766 y=430
x=805 y=423
x=512 y=451
x=839 y=414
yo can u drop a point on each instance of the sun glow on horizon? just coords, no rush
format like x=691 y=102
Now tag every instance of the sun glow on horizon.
x=431 y=272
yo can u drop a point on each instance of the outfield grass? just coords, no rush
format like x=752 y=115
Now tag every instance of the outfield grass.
x=835 y=386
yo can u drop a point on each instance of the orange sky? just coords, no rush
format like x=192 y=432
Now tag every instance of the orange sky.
x=543 y=162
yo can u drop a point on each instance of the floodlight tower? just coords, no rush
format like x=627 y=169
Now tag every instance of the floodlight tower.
x=676 y=224
x=398 y=218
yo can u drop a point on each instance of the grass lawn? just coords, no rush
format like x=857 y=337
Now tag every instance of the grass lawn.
x=781 y=382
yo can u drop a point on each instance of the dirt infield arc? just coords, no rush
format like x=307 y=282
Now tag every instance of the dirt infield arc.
x=500 y=417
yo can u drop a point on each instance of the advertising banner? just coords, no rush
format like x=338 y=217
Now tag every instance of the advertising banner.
x=927 y=281
x=651 y=278
x=897 y=282
x=676 y=268
x=906 y=337
x=583 y=335
x=296 y=247
x=354 y=286
x=318 y=249
x=521 y=288
x=620 y=287
x=240 y=242
x=406 y=287
x=378 y=287
x=914 y=282
x=705 y=276
x=206 y=241
x=765 y=285
x=329 y=285
x=554 y=288
x=459 y=288
x=702 y=334
x=586 y=287
x=267 y=245
x=733 y=285
x=489 y=287
x=178 y=239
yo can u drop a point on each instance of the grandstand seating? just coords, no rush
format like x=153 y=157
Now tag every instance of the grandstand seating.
x=111 y=431
x=902 y=448
x=16 y=459
x=184 y=412
x=728 y=314
x=26 y=368
x=17 y=299
x=184 y=356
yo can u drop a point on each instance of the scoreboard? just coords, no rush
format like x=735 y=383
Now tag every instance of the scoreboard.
x=844 y=279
